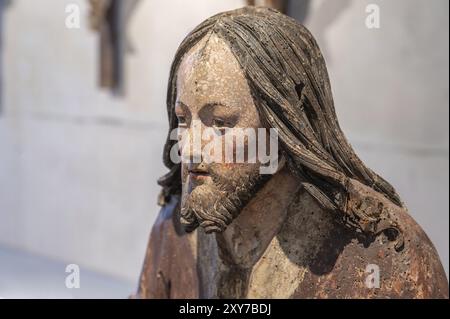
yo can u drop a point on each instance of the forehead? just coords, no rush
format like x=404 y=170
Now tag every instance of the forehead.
x=209 y=73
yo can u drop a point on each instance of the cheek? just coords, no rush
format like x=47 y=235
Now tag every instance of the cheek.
x=249 y=116
x=234 y=171
x=239 y=154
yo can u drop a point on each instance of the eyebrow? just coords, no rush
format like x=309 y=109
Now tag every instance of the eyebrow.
x=209 y=104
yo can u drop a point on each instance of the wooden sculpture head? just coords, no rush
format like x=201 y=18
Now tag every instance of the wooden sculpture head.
x=256 y=68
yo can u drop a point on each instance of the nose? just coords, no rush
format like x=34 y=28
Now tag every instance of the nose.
x=192 y=144
x=197 y=168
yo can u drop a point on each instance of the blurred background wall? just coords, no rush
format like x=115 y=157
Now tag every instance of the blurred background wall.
x=78 y=165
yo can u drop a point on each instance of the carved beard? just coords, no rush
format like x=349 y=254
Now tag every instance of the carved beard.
x=214 y=206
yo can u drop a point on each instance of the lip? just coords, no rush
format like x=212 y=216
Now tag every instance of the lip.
x=196 y=174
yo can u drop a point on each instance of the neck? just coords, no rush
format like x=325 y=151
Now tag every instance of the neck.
x=226 y=259
x=247 y=237
x=281 y=219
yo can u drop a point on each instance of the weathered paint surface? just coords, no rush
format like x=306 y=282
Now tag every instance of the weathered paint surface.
x=312 y=256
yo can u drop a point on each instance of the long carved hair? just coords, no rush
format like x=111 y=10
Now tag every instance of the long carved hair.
x=288 y=79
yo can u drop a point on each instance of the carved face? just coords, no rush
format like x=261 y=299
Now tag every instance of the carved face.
x=212 y=93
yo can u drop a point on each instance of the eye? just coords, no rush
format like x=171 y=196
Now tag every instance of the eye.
x=181 y=119
x=218 y=123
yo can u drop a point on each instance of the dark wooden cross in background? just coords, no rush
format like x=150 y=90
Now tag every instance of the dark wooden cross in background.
x=110 y=18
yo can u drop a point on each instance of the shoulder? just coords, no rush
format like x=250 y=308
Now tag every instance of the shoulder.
x=166 y=216
x=414 y=271
x=409 y=263
x=168 y=270
x=419 y=265
x=351 y=264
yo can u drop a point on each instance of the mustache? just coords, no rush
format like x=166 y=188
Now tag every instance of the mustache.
x=227 y=184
